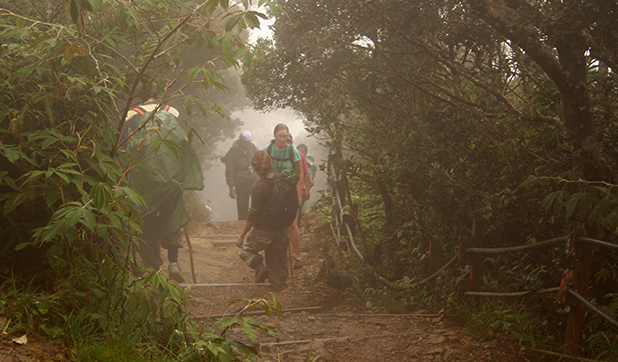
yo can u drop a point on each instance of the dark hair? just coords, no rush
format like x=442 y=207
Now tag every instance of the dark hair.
x=279 y=127
x=302 y=145
x=262 y=163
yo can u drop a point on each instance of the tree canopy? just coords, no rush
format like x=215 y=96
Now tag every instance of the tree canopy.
x=449 y=111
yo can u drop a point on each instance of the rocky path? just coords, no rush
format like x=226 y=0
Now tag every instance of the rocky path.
x=315 y=325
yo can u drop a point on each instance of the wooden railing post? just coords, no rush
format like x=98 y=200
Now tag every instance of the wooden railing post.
x=476 y=260
x=473 y=283
x=577 y=312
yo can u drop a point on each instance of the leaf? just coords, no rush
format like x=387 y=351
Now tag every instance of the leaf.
x=74 y=10
x=64 y=177
x=228 y=321
x=530 y=179
x=193 y=73
x=100 y=194
x=21 y=340
x=26 y=72
x=86 y=5
x=51 y=197
x=11 y=154
x=576 y=205
x=50 y=231
x=211 y=5
x=274 y=9
x=89 y=219
x=249 y=330
x=226 y=46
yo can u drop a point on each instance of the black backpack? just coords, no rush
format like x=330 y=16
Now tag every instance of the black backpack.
x=282 y=208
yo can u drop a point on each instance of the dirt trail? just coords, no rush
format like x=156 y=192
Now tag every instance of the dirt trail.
x=327 y=330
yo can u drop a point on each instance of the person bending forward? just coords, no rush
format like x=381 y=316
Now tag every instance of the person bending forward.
x=256 y=236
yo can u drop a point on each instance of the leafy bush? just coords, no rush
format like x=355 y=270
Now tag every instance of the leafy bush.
x=70 y=72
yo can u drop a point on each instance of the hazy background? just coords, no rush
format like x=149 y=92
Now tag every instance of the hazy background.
x=261 y=125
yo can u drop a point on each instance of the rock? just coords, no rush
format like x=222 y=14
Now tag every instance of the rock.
x=436 y=339
x=435 y=350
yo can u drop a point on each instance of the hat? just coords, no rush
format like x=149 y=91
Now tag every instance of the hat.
x=245 y=136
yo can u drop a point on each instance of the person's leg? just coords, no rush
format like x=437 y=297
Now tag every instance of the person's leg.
x=256 y=241
x=149 y=251
x=277 y=259
x=243 y=193
x=300 y=210
x=172 y=243
x=295 y=241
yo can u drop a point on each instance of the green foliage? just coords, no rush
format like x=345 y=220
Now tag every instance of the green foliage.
x=512 y=320
x=70 y=72
x=600 y=340
x=444 y=113
x=151 y=323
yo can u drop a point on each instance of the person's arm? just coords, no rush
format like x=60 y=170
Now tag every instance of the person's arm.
x=298 y=167
x=256 y=205
x=248 y=225
x=306 y=177
x=307 y=186
x=229 y=172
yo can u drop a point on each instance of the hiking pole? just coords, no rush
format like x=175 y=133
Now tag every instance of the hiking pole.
x=190 y=255
x=291 y=266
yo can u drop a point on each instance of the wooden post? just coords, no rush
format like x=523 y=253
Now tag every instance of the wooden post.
x=473 y=283
x=575 y=321
x=476 y=260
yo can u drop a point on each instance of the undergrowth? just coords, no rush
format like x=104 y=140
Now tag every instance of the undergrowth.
x=535 y=321
x=151 y=324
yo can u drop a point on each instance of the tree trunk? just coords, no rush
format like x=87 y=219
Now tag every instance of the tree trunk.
x=568 y=70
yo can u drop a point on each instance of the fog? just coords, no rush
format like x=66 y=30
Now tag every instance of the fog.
x=261 y=125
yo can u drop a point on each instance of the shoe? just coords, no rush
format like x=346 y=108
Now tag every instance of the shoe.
x=261 y=274
x=299 y=263
x=174 y=271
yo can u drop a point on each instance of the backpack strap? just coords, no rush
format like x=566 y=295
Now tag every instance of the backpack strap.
x=139 y=110
x=288 y=152
x=142 y=111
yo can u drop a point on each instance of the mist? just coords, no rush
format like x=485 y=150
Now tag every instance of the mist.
x=261 y=125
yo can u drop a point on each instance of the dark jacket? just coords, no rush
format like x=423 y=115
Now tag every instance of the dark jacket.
x=238 y=164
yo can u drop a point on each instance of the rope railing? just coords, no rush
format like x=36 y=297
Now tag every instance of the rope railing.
x=340 y=219
x=472 y=253
x=517 y=249
x=539 y=245
x=592 y=307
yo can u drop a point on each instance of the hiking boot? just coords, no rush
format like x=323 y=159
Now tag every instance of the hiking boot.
x=299 y=263
x=174 y=271
x=261 y=274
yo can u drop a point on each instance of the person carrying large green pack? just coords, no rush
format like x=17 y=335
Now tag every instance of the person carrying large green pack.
x=163 y=165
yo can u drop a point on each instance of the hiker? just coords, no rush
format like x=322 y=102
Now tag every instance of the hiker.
x=286 y=156
x=310 y=169
x=160 y=176
x=239 y=174
x=264 y=230
x=313 y=168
